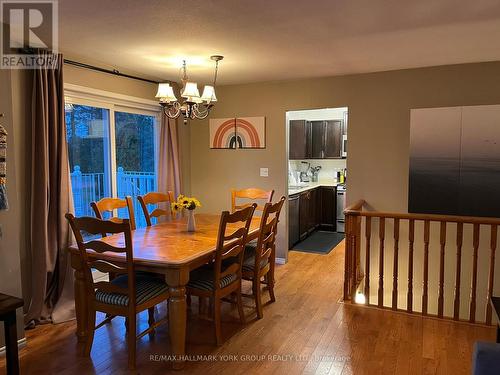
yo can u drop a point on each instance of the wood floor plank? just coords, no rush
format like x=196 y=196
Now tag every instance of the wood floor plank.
x=306 y=331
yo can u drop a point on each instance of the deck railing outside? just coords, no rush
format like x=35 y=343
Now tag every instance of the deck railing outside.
x=88 y=187
x=421 y=262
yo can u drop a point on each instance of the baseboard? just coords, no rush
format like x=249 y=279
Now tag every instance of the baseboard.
x=20 y=344
x=280 y=260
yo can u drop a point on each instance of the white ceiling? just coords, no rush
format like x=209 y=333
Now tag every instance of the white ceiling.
x=264 y=40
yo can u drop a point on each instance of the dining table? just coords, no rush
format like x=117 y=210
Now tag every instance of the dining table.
x=167 y=249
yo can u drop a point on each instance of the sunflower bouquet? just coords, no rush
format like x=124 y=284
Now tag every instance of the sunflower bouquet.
x=187 y=203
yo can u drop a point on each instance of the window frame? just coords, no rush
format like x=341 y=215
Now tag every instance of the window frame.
x=114 y=102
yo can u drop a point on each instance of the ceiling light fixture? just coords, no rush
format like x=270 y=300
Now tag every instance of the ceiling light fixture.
x=194 y=105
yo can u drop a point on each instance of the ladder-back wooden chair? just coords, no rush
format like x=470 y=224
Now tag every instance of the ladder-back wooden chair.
x=128 y=294
x=260 y=259
x=111 y=204
x=250 y=194
x=155 y=198
x=222 y=277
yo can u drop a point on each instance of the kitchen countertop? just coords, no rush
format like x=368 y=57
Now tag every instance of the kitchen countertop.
x=310 y=186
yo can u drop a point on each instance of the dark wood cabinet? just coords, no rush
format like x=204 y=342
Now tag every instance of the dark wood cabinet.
x=293 y=220
x=332 y=139
x=328 y=203
x=304 y=208
x=315 y=139
x=309 y=210
x=298 y=140
x=314 y=209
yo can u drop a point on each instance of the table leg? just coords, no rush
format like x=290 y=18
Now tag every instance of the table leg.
x=11 y=343
x=80 y=299
x=177 y=314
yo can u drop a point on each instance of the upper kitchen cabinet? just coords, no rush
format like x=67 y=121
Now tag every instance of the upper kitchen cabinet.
x=316 y=139
x=332 y=139
x=298 y=145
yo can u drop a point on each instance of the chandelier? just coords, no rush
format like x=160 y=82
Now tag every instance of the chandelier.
x=194 y=105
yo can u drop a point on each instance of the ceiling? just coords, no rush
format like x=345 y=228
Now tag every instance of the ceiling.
x=268 y=40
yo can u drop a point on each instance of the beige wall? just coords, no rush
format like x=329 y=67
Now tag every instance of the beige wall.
x=13 y=230
x=379 y=105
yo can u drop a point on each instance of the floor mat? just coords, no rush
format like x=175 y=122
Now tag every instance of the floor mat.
x=320 y=242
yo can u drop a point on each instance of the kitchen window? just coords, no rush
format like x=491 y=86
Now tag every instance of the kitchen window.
x=112 y=148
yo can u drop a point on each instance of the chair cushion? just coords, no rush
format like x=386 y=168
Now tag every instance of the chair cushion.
x=249 y=263
x=146 y=288
x=203 y=279
x=250 y=249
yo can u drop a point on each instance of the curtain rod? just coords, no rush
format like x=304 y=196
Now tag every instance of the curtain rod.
x=108 y=71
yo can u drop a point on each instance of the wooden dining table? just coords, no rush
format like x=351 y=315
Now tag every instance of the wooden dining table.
x=167 y=249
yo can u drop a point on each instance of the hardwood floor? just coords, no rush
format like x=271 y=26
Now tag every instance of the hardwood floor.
x=306 y=331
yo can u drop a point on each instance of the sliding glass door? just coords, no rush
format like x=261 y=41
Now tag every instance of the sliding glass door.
x=112 y=153
x=135 y=157
x=87 y=133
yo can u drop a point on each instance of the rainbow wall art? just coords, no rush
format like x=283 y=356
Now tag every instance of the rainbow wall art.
x=240 y=132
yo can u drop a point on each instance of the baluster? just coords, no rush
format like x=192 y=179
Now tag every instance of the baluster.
x=354 y=268
x=456 y=309
x=493 y=247
x=368 y=232
x=442 y=241
x=395 y=267
x=426 y=267
x=411 y=238
x=381 y=262
x=347 y=274
x=475 y=244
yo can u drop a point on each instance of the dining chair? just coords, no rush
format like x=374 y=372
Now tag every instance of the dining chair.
x=259 y=259
x=251 y=194
x=128 y=294
x=222 y=277
x=111 y=204
x=155 y=198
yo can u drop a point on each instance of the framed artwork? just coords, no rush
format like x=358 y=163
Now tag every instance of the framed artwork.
x=241 y=132
x=222 y=133
x=251 y=132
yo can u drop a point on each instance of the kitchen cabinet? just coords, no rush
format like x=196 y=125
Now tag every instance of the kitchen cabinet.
x=332 y=139
x=315 y=139
x=304 y=207
x=328 y=199
x=298 y=136
x=309 y=210
x=293 y=220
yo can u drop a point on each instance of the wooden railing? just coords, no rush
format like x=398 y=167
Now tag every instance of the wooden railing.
x=361 y=255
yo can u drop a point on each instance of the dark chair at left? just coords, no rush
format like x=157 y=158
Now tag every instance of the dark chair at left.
x=126 y=295
x=8 y=306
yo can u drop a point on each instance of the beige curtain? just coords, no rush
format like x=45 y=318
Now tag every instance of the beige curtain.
x=51 y=277
x=169 y=173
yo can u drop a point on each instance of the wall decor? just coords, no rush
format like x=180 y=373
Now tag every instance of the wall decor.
x=222 y=133
x=251 y=132
x=240 y=132
x=455 y=161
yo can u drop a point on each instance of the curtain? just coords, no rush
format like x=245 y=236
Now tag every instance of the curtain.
x=169 y=173
x=51 y=198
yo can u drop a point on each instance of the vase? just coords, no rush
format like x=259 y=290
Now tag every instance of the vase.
x=191 y=223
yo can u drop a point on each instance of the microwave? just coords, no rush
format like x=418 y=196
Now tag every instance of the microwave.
x=344 y=145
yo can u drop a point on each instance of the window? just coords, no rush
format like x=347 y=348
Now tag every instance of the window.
x=112 y=151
